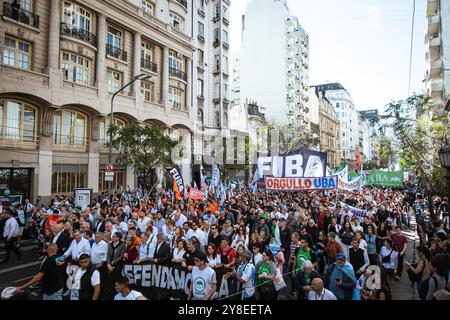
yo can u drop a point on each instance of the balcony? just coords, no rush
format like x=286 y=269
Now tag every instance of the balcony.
x=225 y=45
x=20 y=15
x=182 y=2
x=435 y=87
x=116 y=52
x=177 y=74
x=201 y=12
x=80 y=34
x=434 y=68
x=201 y=37
x=433 y=25
x=435 y=42
x=432 y=7
x=149 y=65
x=216 y=43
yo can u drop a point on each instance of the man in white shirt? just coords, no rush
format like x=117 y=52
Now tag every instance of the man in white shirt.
x=196 y=232
x=78 y=246
x=124 y=292
x=179 y=219
x=246 y=276
x=318 y=292
x=82 y=288
x=11 y=234
x=99 y=250
x=204 y=283
x=147 y=247
x=142 y=221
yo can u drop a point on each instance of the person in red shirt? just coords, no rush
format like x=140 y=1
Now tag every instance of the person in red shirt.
x=131 y=253
x=55 y=217
x=226 y=254
x=401 y=243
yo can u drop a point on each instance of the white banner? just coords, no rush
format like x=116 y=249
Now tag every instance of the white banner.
x=355 y=184
x=215 y=179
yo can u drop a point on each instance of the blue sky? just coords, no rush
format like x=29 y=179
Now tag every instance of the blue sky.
x=363 y=44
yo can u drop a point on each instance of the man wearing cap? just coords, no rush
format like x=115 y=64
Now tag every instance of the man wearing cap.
x=341 y=279
x=204 y=283
x=227 y=230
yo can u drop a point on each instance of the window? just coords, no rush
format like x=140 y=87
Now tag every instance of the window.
x=200 y=87
x=114 y=38
x=217 y=62
x=176 y=98
x=146 y=51
x=76 y=16
x=175 y=60
x=216 y=90
x=103 y=129
x=176 y=21
x=17 y=53
x=201 y=29
x=75 y=68
x=18 y=122
x=225 y=91
x=26 y=5
x=216 y=35
x=217 y=119
x=217 y=10
x=225 y=12
x=200 y=115
x=69 y=128
x=225 y=64
x=66 y=177
x=225 y=36
x=114 y=81
x=201 y=4
x=225 y=120
x=147 y=6
x=147 y=90
x=201 y=60
x=119 y=179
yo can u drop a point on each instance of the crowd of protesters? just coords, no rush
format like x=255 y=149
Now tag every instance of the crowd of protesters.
x=309 y=245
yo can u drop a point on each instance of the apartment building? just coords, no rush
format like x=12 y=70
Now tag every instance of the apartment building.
x=437 y=56
x=274 y=62
x=61 y=61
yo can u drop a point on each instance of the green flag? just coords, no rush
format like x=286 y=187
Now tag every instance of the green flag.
x=385 y=179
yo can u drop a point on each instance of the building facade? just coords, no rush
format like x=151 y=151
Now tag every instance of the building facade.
x=437 y=56
x=61 y=63
x=347 y=115
x=329 y=129
x=274 y=62
x=369 y=133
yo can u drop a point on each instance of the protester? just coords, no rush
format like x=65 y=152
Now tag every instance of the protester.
x=203 y=285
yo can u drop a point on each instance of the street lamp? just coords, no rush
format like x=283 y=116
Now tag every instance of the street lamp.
x=142 y=76
x=444 y=156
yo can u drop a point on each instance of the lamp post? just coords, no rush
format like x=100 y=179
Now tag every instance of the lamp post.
x=444 y=156
x=142 y=76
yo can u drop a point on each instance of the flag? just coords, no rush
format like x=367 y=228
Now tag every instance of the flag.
x=176 y=191
x=358 y=159
x=343 y=174
x=196 y=194
x=215 y=179
x=255 y=187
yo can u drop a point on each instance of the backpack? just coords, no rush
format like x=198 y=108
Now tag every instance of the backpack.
x=423 y=291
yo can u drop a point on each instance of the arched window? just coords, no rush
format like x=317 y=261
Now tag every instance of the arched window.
x=70 y=129
x=217 y=119
x=103 y=129
x=200 y=116
x=18 y=122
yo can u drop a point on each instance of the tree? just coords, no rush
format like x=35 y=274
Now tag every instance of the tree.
x=143 y=147
x=384 y=150
x=290 y=139
x=420 y=128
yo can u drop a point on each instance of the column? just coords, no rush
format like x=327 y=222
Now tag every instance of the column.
x=101 y=55
x=130 y=178
x=189 y=88
x=93 y=166
x=45 y=167
x=165 y=79
x=137 y=61
x=186 y=166
x=53 y=36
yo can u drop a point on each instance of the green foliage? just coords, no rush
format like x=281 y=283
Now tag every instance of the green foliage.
x=420 y=129
x=385 y=151
x=143 y=147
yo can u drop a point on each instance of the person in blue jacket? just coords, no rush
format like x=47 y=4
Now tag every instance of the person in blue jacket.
x=341 y=279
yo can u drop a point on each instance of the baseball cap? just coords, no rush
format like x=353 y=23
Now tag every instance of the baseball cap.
x=341 y=256
x=8 y=292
